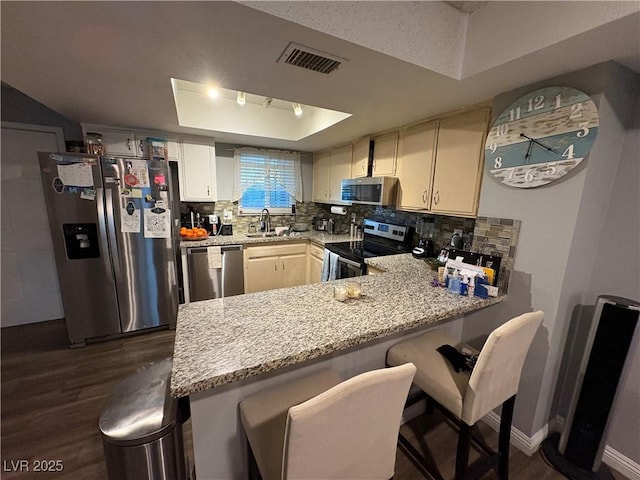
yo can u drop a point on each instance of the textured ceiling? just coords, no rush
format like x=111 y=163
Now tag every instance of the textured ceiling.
x=110 y=63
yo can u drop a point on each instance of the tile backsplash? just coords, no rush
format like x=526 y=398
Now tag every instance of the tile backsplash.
x=493 y=236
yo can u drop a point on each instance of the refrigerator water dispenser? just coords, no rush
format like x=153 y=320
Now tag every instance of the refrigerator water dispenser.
x=81 y=240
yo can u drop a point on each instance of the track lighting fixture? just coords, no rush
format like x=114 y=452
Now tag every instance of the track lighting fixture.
x=240 y=98
x=297 y=109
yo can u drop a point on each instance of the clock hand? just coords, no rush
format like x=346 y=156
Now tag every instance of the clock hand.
x=528 y=154
x=533 y=140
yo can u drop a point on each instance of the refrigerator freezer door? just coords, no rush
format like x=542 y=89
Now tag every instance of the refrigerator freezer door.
x=72 y=189
x=138 y=212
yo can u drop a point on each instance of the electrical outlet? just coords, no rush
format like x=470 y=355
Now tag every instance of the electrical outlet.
x=227 y=214
x=458 y=231
x=353 y=218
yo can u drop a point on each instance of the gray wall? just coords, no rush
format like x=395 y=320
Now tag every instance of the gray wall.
x=20 y=108
x=561 y=264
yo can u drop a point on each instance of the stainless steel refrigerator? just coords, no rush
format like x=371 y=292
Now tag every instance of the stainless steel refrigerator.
x=113 y=230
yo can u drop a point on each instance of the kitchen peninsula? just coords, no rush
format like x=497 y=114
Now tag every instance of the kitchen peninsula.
x=229 y=348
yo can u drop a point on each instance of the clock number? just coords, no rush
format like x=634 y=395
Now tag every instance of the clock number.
x=497 y=162
x=568 y=153
x=558 y=100
x=512 y=171
x=528 y=177
x=514 y=114
x=576 y=111
x=551 y=169
x=501 y=130
x=584 y=131
x=536 y=103
x=493 y=146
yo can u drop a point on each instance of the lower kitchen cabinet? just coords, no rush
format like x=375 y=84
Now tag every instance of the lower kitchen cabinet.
x=316 y=259
x=267 y=267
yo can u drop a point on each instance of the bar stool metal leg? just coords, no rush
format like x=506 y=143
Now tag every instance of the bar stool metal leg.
x=504 y=437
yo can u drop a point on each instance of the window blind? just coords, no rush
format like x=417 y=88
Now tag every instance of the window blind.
x=266 y=179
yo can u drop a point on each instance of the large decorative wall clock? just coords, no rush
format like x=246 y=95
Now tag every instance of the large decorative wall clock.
x=541 y=137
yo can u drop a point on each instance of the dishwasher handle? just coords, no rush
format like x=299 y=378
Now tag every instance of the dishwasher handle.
x=224 y=248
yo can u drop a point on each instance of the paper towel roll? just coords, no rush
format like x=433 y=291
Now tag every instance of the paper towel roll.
x=339 y=210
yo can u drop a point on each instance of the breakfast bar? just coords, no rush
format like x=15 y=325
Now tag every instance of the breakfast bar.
x=228 y=348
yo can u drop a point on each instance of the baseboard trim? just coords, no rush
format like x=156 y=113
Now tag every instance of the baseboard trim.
x=529 y=445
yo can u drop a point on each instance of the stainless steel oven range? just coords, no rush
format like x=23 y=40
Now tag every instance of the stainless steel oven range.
x=379 y=239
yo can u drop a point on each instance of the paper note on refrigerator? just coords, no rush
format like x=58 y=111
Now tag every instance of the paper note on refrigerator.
x=130 y=223
x=157 y=223
x=214 y=257
x=76 y=175
x=139 y=169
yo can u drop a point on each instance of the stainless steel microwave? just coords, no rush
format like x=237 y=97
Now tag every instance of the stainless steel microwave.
x=370 y=190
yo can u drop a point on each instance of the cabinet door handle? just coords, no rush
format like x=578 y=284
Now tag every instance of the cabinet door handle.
x=141 y=146
x=129 y=144
x=424 y=197
x=436 y=197
x=208 y=191
x=283 y=265
x=275 y=265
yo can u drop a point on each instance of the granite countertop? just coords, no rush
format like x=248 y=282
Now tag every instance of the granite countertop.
x=229 y=339
x=242 y=239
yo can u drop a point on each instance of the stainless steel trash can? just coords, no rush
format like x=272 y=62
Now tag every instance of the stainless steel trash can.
x=141 y=427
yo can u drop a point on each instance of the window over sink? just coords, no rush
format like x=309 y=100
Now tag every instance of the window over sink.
x=266 y=179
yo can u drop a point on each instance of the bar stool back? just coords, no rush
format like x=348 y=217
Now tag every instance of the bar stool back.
x=347 y=431
x=467 y=398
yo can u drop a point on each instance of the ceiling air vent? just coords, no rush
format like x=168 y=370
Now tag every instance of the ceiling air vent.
x=310 y=59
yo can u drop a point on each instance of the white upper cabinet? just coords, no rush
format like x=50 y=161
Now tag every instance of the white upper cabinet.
x=121 y=142
x=129 y=143
x=197 y=172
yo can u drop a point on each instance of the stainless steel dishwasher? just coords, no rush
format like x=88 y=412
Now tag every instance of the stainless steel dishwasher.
x=215 y=272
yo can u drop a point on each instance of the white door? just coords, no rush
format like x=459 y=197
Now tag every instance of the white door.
x=30 y=290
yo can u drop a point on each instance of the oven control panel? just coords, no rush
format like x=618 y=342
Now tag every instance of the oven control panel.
x=385 y=230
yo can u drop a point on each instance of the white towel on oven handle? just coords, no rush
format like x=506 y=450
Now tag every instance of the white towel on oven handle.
x=329 y=266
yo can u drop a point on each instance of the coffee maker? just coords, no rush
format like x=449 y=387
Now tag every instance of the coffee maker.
x=425 y=229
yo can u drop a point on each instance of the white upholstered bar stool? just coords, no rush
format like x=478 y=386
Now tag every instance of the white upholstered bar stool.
x=465 y=398
x=320 y=427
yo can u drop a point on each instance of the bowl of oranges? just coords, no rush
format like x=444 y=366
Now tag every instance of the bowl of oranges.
x=193 y=233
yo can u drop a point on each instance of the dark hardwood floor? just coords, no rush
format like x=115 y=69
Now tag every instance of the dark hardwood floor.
x=52 y=396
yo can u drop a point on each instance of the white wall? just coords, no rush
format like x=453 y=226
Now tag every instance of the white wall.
x=562 y=225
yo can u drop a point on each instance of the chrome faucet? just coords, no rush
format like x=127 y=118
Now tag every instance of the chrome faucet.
x=265 y=221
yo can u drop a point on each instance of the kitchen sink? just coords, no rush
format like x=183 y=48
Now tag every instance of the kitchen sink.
x=261 y=234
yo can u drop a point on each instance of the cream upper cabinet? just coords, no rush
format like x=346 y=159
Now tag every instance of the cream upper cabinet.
x=329 y=168
x=360 y=164
x=385 y=149
x=415 y=166
x=459 y=163
x=321 y=167
x=340 y=169
x=197 y=172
